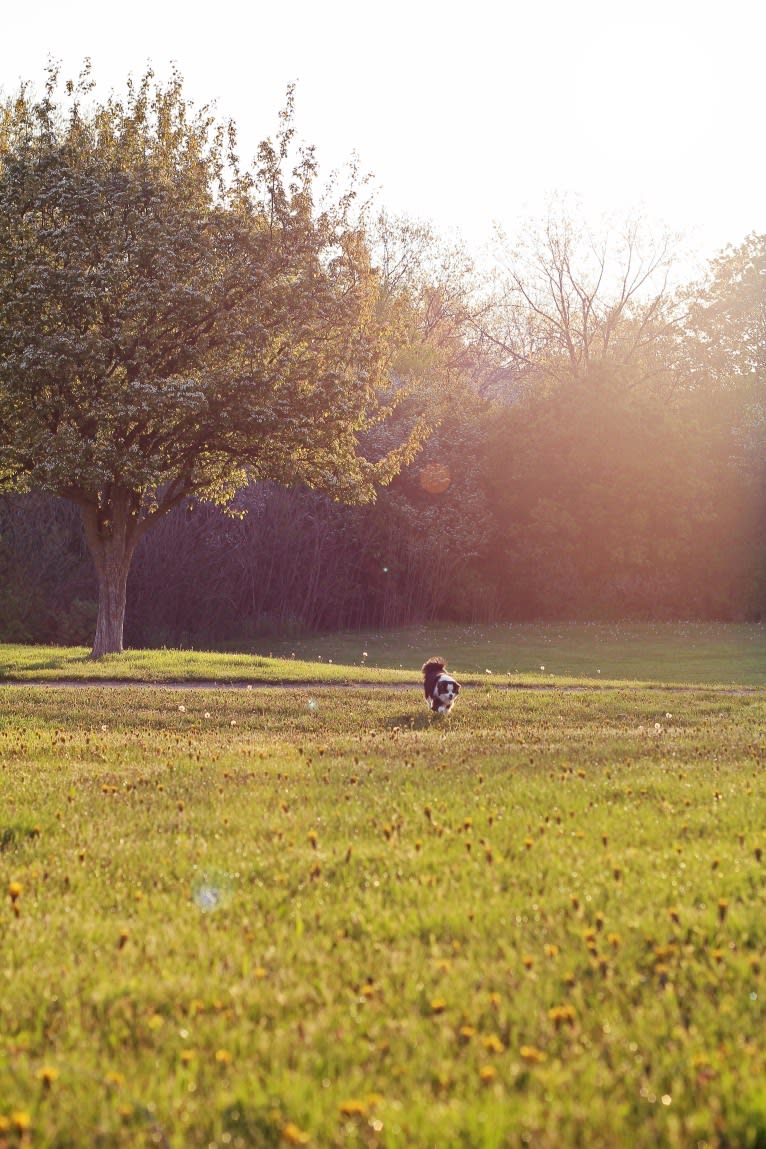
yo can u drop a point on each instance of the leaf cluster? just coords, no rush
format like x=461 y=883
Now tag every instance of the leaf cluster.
x=170 y=323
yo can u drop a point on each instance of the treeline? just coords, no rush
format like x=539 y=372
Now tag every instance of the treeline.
x=595 y=450
x=603 y=499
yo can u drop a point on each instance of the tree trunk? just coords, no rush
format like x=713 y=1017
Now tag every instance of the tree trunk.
x=111 y=530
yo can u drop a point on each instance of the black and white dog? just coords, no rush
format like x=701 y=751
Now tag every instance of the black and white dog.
x=440 y=688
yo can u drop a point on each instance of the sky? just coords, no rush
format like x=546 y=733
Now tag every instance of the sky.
x=471 y=116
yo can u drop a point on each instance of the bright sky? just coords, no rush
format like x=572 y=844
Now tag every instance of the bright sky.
x=465 y=115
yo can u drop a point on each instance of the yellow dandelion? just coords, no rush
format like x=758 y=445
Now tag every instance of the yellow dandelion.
x=46 y=1075
x=14 y=890
x=562 y=1015
x=467 y=1032
x=438 y=1005
x=551 y=951
x=353 y=1108
x=21 y=1121
x=114 y=1080
x=223 y=1057
x=493 y=1044
x=528 y=961
x=187 y=1056
x=313 y=838
x=531 y=1054
x=293 y=1135
x=723 y=909
x=487 y=1074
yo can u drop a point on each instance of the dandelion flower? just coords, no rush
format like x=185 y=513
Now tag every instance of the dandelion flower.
x=438 y=1005
x=293 y=1135
x=353 y=1108
x=487 y=1073
x=14 y=890
x=46 y=1075
x=562 y=1015
x=531 y=1055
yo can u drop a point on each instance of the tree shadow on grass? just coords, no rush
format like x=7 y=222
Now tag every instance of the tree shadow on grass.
x=10 y=671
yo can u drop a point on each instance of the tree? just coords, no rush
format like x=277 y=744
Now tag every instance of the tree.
x=173 y=326
x=569 y=300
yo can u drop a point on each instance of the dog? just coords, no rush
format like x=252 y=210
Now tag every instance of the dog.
x=441 y=689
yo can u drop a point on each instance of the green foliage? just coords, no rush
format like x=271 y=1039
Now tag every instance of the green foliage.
x=168 y=319
x=240 y=918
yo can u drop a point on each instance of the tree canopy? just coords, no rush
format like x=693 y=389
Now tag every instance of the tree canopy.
x=173 y=325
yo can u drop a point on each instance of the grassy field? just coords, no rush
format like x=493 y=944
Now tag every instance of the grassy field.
x=312 y=916
x=702 y=653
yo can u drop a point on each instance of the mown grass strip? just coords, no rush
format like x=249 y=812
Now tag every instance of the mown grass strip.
x=680 y=653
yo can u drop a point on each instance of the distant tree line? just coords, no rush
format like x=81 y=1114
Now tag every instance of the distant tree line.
x=331 y=419
x=611 y=490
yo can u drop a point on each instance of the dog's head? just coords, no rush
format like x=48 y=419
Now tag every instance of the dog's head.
x=440 y=688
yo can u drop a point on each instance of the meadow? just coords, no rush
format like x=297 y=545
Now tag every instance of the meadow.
x=312 y=915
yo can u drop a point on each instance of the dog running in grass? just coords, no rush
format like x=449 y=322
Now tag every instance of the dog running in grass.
x=441 y=689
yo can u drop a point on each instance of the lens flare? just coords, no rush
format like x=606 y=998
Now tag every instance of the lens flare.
x=211 y=892
x=435 y=478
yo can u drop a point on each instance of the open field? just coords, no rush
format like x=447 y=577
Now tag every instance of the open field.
x=314 y=916
x=551 y=653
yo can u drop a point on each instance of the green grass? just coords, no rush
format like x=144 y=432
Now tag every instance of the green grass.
x=51 y=663
x=257 y=918
x=701 y=653
x=664 y=652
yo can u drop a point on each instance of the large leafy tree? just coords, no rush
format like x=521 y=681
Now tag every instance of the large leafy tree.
x=172 y=325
